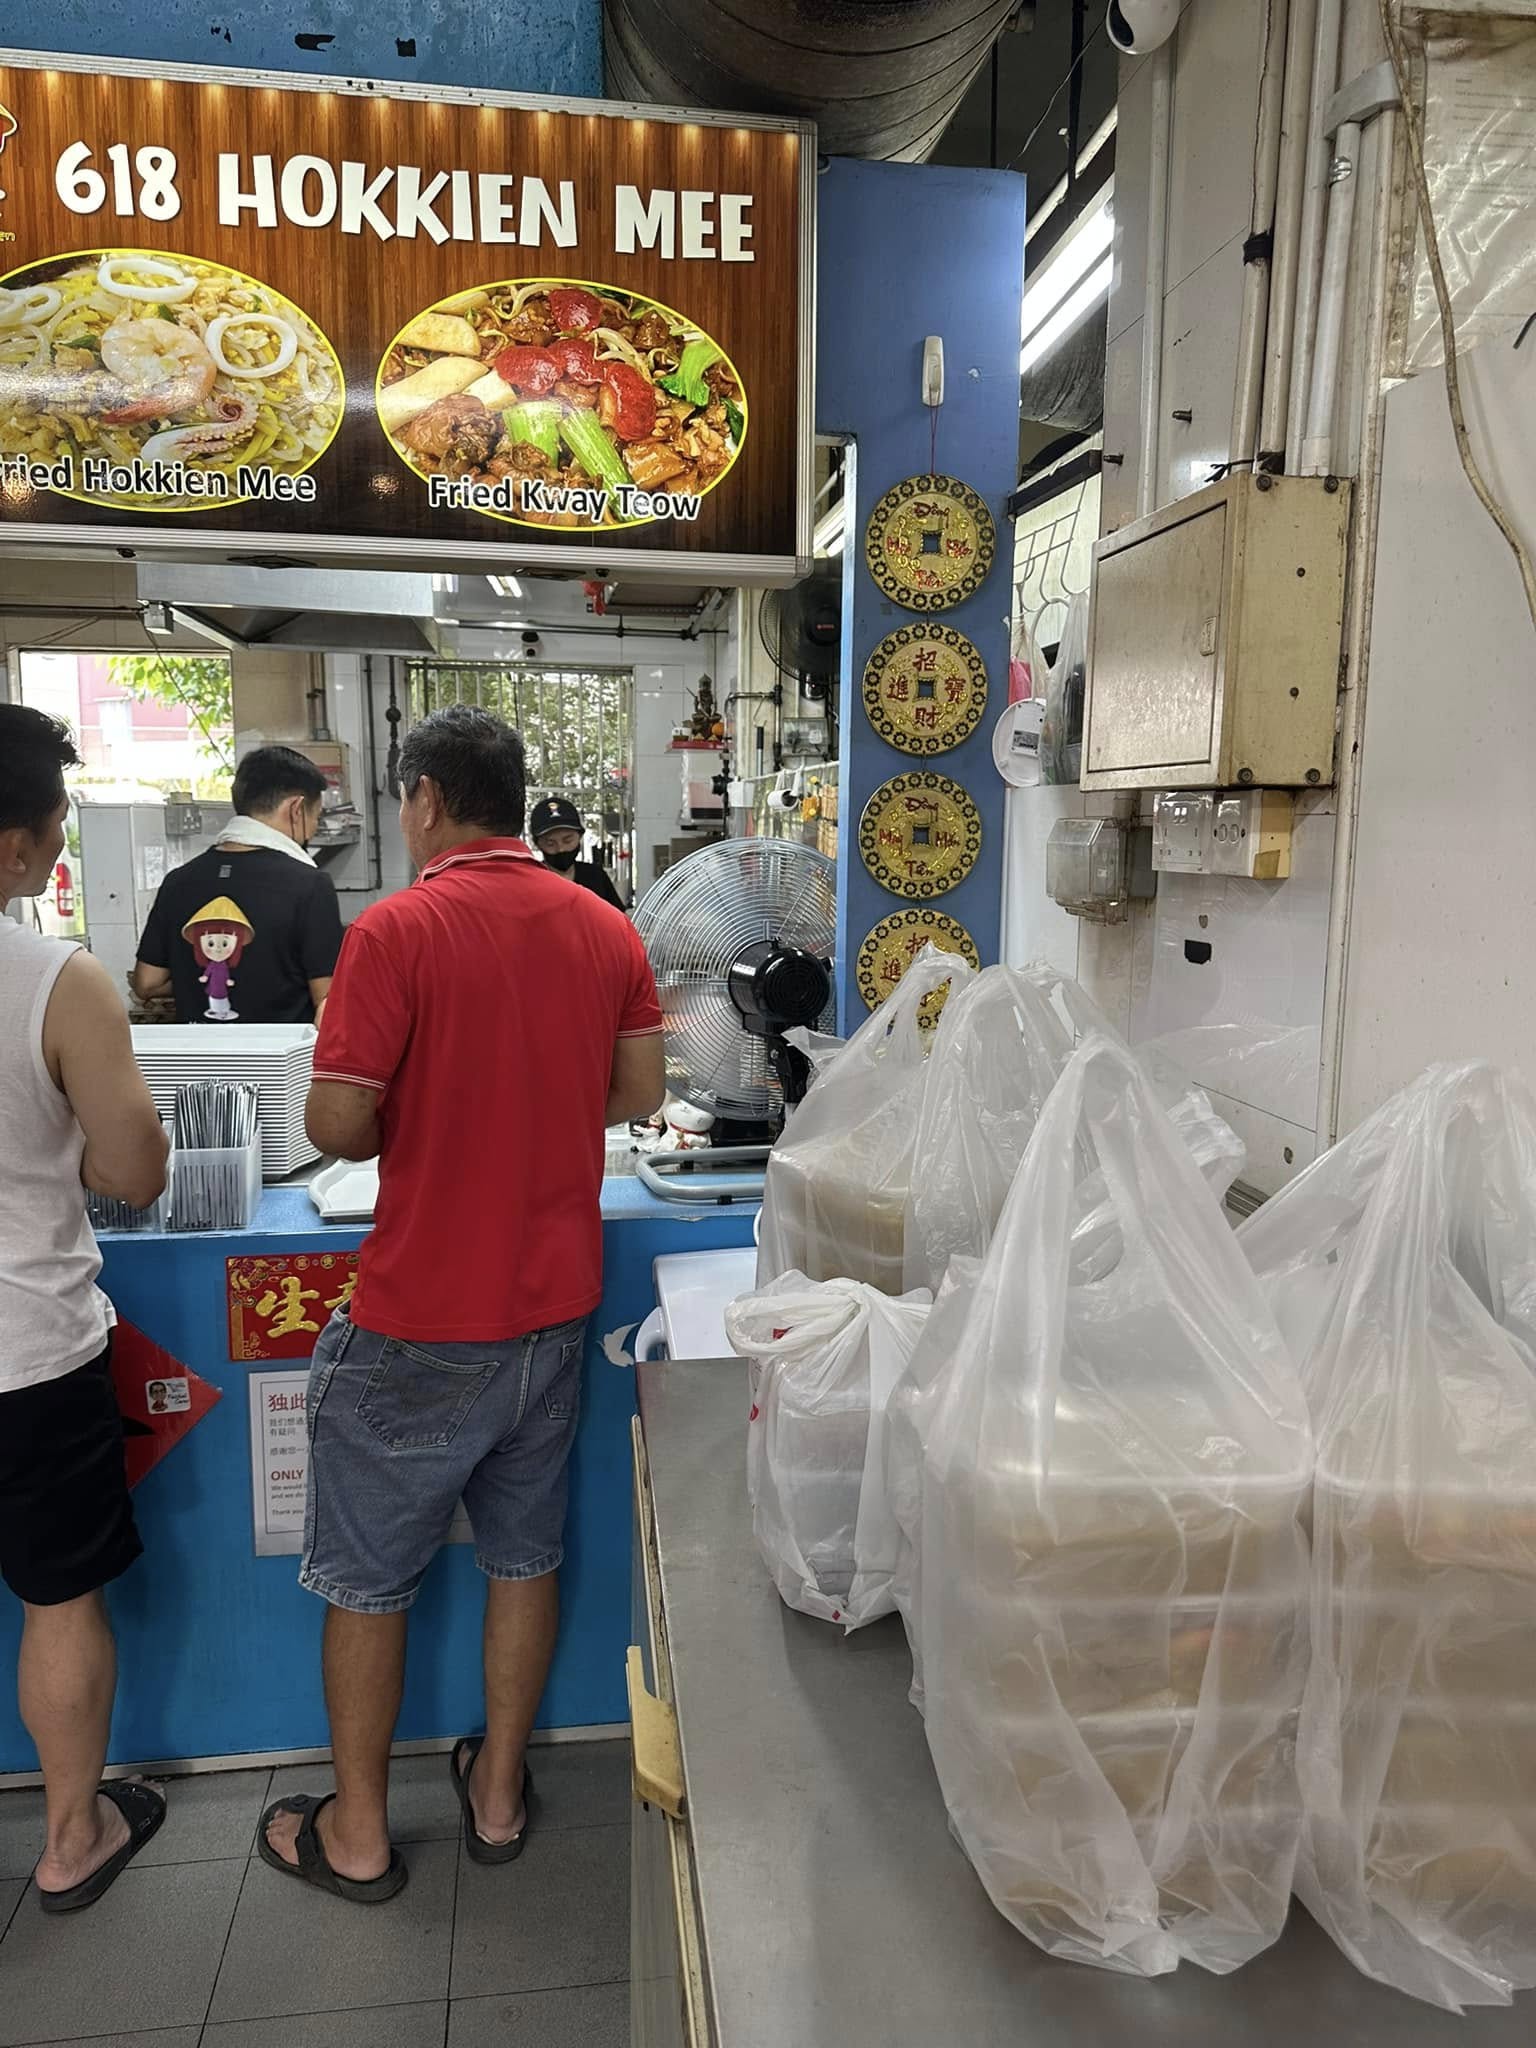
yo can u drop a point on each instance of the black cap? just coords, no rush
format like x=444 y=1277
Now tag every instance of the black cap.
x=551 y=814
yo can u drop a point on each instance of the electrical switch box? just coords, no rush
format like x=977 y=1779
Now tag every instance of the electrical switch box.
x=1251 y=834
x=1181 y=831
x=1214 y=639
x=1096 y=867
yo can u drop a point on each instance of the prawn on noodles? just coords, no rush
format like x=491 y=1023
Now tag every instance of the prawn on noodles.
x=566 y=385
x=131 y=355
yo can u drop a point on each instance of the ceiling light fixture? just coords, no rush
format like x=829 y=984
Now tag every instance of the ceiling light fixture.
x=1093 y=288
x=1058 y=192
x=1074 y=257
x=506 y=586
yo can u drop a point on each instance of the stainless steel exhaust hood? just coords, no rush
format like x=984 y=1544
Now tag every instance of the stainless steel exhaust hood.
x=311 y=611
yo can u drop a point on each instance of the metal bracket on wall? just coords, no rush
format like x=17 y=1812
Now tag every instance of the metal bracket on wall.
x=1366 y=95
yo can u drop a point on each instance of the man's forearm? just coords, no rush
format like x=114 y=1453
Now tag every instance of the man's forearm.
x=361 y=1142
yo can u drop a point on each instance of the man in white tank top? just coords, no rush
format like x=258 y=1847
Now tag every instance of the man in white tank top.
x=74 y=1113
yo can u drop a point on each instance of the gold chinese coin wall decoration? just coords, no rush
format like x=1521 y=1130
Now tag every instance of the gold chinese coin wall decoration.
x=895 y=942
x=925 y=688
x=929 y=542
x=920 y=834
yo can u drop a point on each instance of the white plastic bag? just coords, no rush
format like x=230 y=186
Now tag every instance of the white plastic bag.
x=907 y=1419
x=999 y=1049
x=1112 y=1586
x=836 y=1187
x=1409 y=1254
x=1065 y=694
x=824 y=1360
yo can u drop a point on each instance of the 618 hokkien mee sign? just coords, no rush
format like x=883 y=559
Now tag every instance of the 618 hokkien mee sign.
x=253 y=314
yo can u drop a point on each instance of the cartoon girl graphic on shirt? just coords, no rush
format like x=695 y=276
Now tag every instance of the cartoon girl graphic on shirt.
x=218 y=935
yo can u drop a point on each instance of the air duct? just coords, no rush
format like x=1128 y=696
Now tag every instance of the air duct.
x=1137 y=26
x=880 y=78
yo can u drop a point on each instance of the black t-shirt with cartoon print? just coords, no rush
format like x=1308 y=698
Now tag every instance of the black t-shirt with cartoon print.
x=243 y=935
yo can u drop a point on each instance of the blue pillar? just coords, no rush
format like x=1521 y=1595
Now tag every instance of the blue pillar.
x=904 y=251
x=555 y=46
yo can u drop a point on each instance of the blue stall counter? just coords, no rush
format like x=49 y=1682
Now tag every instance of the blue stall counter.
x=219 y=1648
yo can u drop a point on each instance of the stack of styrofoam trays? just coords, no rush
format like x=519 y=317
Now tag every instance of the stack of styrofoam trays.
x=277 y=1058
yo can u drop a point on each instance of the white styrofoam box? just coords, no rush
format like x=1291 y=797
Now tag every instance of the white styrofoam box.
x=693 y=1291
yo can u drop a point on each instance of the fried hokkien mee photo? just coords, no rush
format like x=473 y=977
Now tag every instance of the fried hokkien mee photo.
x=137 y=358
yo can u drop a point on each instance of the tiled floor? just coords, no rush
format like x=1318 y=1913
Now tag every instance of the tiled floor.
x=199 y=1945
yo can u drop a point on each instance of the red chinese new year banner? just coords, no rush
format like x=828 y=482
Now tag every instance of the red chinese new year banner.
x=280 y=1302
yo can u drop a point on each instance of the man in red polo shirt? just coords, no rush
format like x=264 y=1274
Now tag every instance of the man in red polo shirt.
x=484 y=1028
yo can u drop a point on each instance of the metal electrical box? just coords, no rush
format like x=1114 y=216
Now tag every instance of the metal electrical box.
x=1215 y=637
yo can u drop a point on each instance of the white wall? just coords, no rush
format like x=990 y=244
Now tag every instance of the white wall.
x=1247 y=1021
x=1216 y=59
x=1053 y=555
x=1442 y=958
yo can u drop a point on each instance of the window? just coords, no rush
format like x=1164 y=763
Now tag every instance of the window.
x=577 y=726
x=144 y=724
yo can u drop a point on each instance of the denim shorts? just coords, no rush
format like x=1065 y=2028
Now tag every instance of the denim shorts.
x=400 y=1432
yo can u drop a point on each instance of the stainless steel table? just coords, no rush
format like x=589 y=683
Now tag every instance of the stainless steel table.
x=835 y=1908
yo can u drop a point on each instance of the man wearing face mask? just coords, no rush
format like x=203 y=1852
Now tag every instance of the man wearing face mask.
x=557 y=831
x=248 y=932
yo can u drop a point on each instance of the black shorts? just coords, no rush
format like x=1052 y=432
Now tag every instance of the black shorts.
x=66 y=1520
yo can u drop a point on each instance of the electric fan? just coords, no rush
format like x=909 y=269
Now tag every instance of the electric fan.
x=802 y=628
x=740 y=939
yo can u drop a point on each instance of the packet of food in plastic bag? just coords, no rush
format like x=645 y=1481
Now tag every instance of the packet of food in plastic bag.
x=998 y=1051
x=836 y=1186
x=1110 y=1599
x=825 y=1357
x=1404 y=1260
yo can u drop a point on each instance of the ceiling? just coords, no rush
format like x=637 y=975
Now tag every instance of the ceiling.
x=1025 y=84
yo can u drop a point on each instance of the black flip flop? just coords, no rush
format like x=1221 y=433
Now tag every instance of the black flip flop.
x=476 y=1846
x=313 y=1866
x=143 y=1808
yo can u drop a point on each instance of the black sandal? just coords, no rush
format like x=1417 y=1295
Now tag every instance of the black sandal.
x=479 y=1850
x=143 y=1808
x=314 y=1867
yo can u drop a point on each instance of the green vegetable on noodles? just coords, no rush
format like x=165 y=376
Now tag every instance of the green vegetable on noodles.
x=583 y=434
x=536 y=421
x=736 y=419
x=688 y=379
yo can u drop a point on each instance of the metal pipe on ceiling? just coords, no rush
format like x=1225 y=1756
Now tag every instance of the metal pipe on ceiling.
x=879 y=77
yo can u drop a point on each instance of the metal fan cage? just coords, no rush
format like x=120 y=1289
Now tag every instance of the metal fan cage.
x=695 y=923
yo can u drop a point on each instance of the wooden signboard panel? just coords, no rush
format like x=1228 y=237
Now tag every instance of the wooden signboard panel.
x=321 y=319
